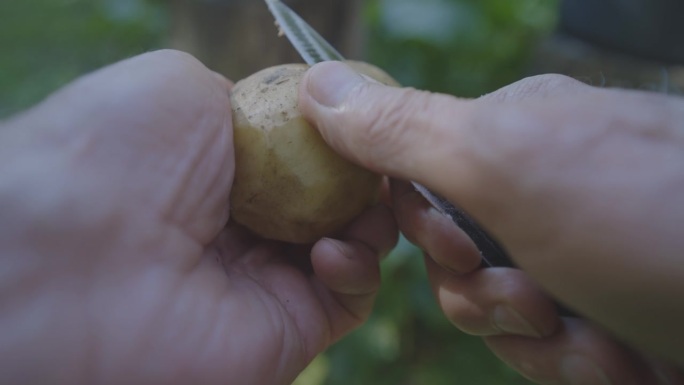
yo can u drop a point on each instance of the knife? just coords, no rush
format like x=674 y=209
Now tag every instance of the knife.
x=313 y=48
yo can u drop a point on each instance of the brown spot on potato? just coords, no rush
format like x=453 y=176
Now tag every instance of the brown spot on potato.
x=289 y=184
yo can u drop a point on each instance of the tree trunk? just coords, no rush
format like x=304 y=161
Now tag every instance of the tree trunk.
x=238 y=37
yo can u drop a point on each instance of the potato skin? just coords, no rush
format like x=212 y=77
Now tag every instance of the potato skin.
x=289 y=184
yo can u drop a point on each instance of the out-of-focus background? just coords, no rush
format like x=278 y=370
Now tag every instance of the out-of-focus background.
x=463 y=47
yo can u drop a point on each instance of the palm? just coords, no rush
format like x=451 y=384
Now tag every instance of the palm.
x=248 y=308
x=264 y=310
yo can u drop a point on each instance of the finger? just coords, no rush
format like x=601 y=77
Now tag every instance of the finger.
x=349 y=270
x=432 y=231
x=578 y=354
x=347 y=277
x=348 y=265
x=410 y=134
x=493 y=301
x=376 y=228
x=346 y=268
x=385 y=196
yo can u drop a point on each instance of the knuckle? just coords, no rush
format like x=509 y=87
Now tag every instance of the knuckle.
x=174 y=67
x=463 y=307
x=174 y=56
x=468 y=318
x=542 y=85
x=550 y=82
x=389 y=124
x=535 y=86
x=411 y=217
x=511 y=287
x=180 y=77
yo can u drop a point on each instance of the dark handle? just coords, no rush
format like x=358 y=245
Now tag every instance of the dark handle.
x=493 y=254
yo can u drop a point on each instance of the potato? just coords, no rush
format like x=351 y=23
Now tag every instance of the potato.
x=289 y=184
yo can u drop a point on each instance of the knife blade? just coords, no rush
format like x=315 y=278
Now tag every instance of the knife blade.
x=313 y=48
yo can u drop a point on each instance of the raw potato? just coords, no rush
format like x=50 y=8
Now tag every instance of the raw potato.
x=289 y=185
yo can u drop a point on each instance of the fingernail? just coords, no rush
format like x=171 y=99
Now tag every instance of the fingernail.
x=578 y=370
x=330 y=83
x=508 y=320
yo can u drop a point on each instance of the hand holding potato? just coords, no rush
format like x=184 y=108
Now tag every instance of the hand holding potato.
x=117 y=262
x=584 y=187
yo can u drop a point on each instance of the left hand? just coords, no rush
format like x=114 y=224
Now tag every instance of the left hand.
x=116 y=264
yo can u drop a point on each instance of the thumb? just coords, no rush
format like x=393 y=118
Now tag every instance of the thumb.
x=400 y=132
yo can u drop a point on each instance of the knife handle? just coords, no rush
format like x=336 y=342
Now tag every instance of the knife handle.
x=493 y=254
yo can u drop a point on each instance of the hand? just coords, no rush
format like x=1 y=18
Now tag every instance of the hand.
x=583 y=186
x=116 y=264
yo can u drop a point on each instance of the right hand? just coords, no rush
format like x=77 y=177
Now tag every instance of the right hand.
x=583 y=186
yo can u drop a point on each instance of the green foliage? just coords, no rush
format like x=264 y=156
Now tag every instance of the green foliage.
x=46 y=43
x=462 y=47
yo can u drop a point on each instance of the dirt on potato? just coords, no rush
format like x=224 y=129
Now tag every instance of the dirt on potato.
x=289 y=184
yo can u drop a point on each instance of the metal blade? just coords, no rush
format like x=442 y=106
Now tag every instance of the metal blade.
x=492 y=252
x=311 y=46
x=314 y=49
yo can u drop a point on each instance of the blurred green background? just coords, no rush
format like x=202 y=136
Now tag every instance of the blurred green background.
x=462 y=47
